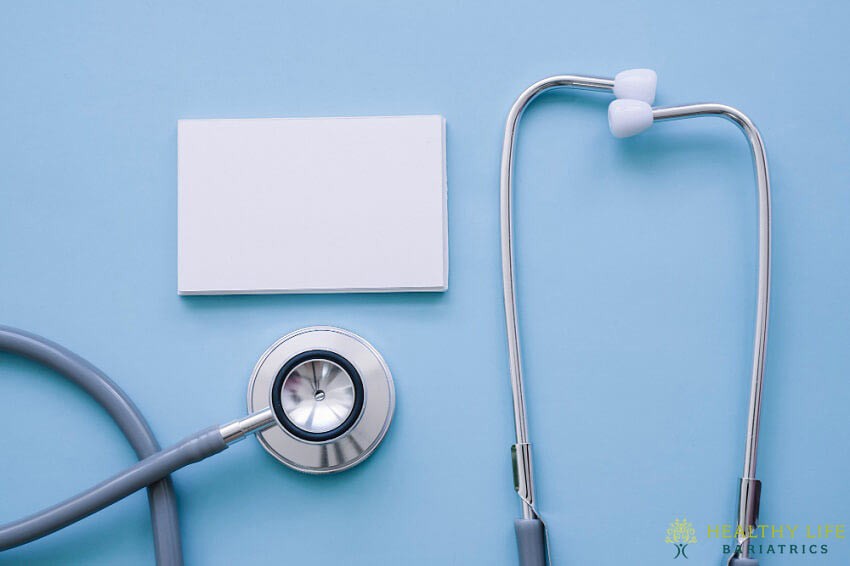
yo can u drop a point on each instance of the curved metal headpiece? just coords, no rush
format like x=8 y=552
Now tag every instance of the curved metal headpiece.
x=628 y=115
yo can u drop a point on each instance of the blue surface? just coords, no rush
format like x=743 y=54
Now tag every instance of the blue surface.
x=636 y=276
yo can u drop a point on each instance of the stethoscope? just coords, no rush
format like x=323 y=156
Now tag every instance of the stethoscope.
x=320 y=400
x=629 y=114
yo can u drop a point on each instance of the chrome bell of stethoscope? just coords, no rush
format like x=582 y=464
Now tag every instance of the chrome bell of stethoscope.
x=330 y=395
x=629 y=114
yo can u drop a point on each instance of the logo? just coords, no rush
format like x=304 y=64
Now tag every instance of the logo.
x=758 y=540
x=681 y=533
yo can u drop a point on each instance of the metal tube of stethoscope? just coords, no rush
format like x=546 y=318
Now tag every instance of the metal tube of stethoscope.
x=523 y=476
x=629 y=123
x=762 y=179
x=749 y=494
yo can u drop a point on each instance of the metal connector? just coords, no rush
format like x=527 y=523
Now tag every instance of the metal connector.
x=237 y=430
x=521 y=460
x=749 y=499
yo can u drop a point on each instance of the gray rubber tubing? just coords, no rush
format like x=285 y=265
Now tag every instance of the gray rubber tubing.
x=530 y=542
x=163 y=503
x=743 y=562
x=142 y=474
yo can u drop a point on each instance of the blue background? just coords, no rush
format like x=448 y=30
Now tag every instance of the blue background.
x=636 y=276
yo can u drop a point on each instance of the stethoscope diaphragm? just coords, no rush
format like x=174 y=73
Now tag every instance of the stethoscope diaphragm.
x=332 y=395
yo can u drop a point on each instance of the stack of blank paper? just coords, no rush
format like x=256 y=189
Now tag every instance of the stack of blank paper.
x=312 y=205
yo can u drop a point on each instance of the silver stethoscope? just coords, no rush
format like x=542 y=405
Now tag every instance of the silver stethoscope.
x=320 y=400
x=629 y=114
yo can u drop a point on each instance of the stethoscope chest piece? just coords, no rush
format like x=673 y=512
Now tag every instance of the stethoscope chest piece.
x=332 y=395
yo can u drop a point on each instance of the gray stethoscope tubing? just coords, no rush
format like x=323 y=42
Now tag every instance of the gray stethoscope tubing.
x=163 y=502
x=314 y=435
x=152 y=470
x=530 y=530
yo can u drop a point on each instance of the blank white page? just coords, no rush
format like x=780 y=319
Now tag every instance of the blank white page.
x=312 y=205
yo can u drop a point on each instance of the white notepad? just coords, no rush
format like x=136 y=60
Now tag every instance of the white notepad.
x=312 y=205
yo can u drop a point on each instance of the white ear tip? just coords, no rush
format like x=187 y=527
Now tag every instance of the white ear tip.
x=638 y=84
x=628 y=117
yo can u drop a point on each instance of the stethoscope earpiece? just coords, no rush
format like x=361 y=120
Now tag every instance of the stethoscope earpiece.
x=627 y=118
x=636 y=84
x=631 y=112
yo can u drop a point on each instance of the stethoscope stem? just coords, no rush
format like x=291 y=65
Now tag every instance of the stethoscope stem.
x=253 y=423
